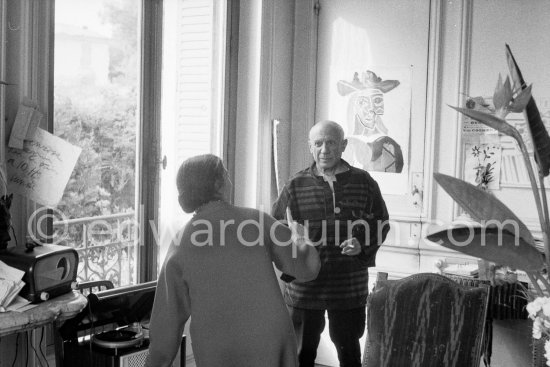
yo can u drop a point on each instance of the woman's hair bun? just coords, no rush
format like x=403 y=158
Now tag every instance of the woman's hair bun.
x=196 y=181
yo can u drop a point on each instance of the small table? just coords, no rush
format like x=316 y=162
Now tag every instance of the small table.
x=53 y=312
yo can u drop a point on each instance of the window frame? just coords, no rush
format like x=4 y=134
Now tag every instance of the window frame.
x=150 y=45
x=32 y=66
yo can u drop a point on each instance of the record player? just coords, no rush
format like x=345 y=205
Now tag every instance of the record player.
x=112 y=330
x=50 y=270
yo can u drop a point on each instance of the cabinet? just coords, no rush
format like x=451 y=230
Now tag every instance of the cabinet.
x=53 y=312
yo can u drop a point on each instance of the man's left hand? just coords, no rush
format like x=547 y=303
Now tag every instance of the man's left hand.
x=351 y=247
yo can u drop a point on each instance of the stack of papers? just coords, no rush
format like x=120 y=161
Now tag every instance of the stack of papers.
x=10 y=284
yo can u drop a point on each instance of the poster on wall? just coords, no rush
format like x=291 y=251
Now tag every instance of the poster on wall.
x=482 y=163
x=374 y=108
x=513 y=171
x=472 y=128
x=482 y=148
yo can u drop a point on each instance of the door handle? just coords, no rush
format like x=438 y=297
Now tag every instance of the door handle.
x=163 y=162
x=417 y=190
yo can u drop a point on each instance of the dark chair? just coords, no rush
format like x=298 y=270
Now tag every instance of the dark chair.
x=425 y=320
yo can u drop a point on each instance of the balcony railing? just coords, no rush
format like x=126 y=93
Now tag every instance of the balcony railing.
x=107 y=246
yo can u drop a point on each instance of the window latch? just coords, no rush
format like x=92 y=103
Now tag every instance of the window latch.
x=163 y=162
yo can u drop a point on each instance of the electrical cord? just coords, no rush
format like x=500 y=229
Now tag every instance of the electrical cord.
x=92 y=332
x=16 y=349
x=35 y=352
x=27 y=349
x=40 y=346
x=14 y=236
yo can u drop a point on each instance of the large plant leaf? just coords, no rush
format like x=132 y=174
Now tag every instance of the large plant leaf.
x=491 y=121
x=540 y=137
x=492 y=244
x=483 y=207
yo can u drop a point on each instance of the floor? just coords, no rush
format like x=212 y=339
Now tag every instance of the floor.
x=192 y=364
x=508 y=351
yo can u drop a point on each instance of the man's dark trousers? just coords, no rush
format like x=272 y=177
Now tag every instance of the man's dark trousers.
x=345 y=328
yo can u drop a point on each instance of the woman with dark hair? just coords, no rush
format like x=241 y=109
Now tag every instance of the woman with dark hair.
x=219 y=271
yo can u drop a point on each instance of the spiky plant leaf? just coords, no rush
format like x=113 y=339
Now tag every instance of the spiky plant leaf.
x=492 y=244
x=540 y=137
x=503 y=93
x=482 y=206
x=491 y=121
x=522 y=99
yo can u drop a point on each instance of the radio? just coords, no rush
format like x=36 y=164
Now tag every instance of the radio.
x=50 y=270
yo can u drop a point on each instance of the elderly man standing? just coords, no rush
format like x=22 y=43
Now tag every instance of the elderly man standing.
x=345 y=216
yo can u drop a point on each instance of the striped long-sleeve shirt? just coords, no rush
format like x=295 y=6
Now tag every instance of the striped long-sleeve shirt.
x=356 y=209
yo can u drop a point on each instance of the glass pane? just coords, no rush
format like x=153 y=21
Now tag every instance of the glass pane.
x=193 y=46
x=95 y=107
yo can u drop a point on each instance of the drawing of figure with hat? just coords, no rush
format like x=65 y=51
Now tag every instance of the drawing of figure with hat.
x=369 y=144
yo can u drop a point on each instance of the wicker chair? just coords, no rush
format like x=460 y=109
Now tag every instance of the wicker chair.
x=425 y=320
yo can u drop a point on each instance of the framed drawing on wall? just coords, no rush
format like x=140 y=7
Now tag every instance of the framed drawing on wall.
x=374 y=106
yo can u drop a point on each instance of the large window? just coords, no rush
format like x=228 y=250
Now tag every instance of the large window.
x=99 y=105
x=193 y=80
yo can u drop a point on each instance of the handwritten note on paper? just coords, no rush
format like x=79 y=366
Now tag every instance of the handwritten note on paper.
x=41 y=170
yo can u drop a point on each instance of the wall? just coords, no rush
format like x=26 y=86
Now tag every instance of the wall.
x=463 y=57
x=22 y=68
x=2 y=77
x=264 y=83
x=493 y=26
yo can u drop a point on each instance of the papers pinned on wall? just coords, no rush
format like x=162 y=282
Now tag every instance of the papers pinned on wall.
x=41 y=170
x=472 y=128
x=26 y=122
x=482 y=164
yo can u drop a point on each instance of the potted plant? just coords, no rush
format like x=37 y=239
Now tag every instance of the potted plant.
x=501 y=236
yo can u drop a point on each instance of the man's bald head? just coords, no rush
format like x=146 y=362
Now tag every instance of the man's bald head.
x=326 y=144
x=327 y=125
